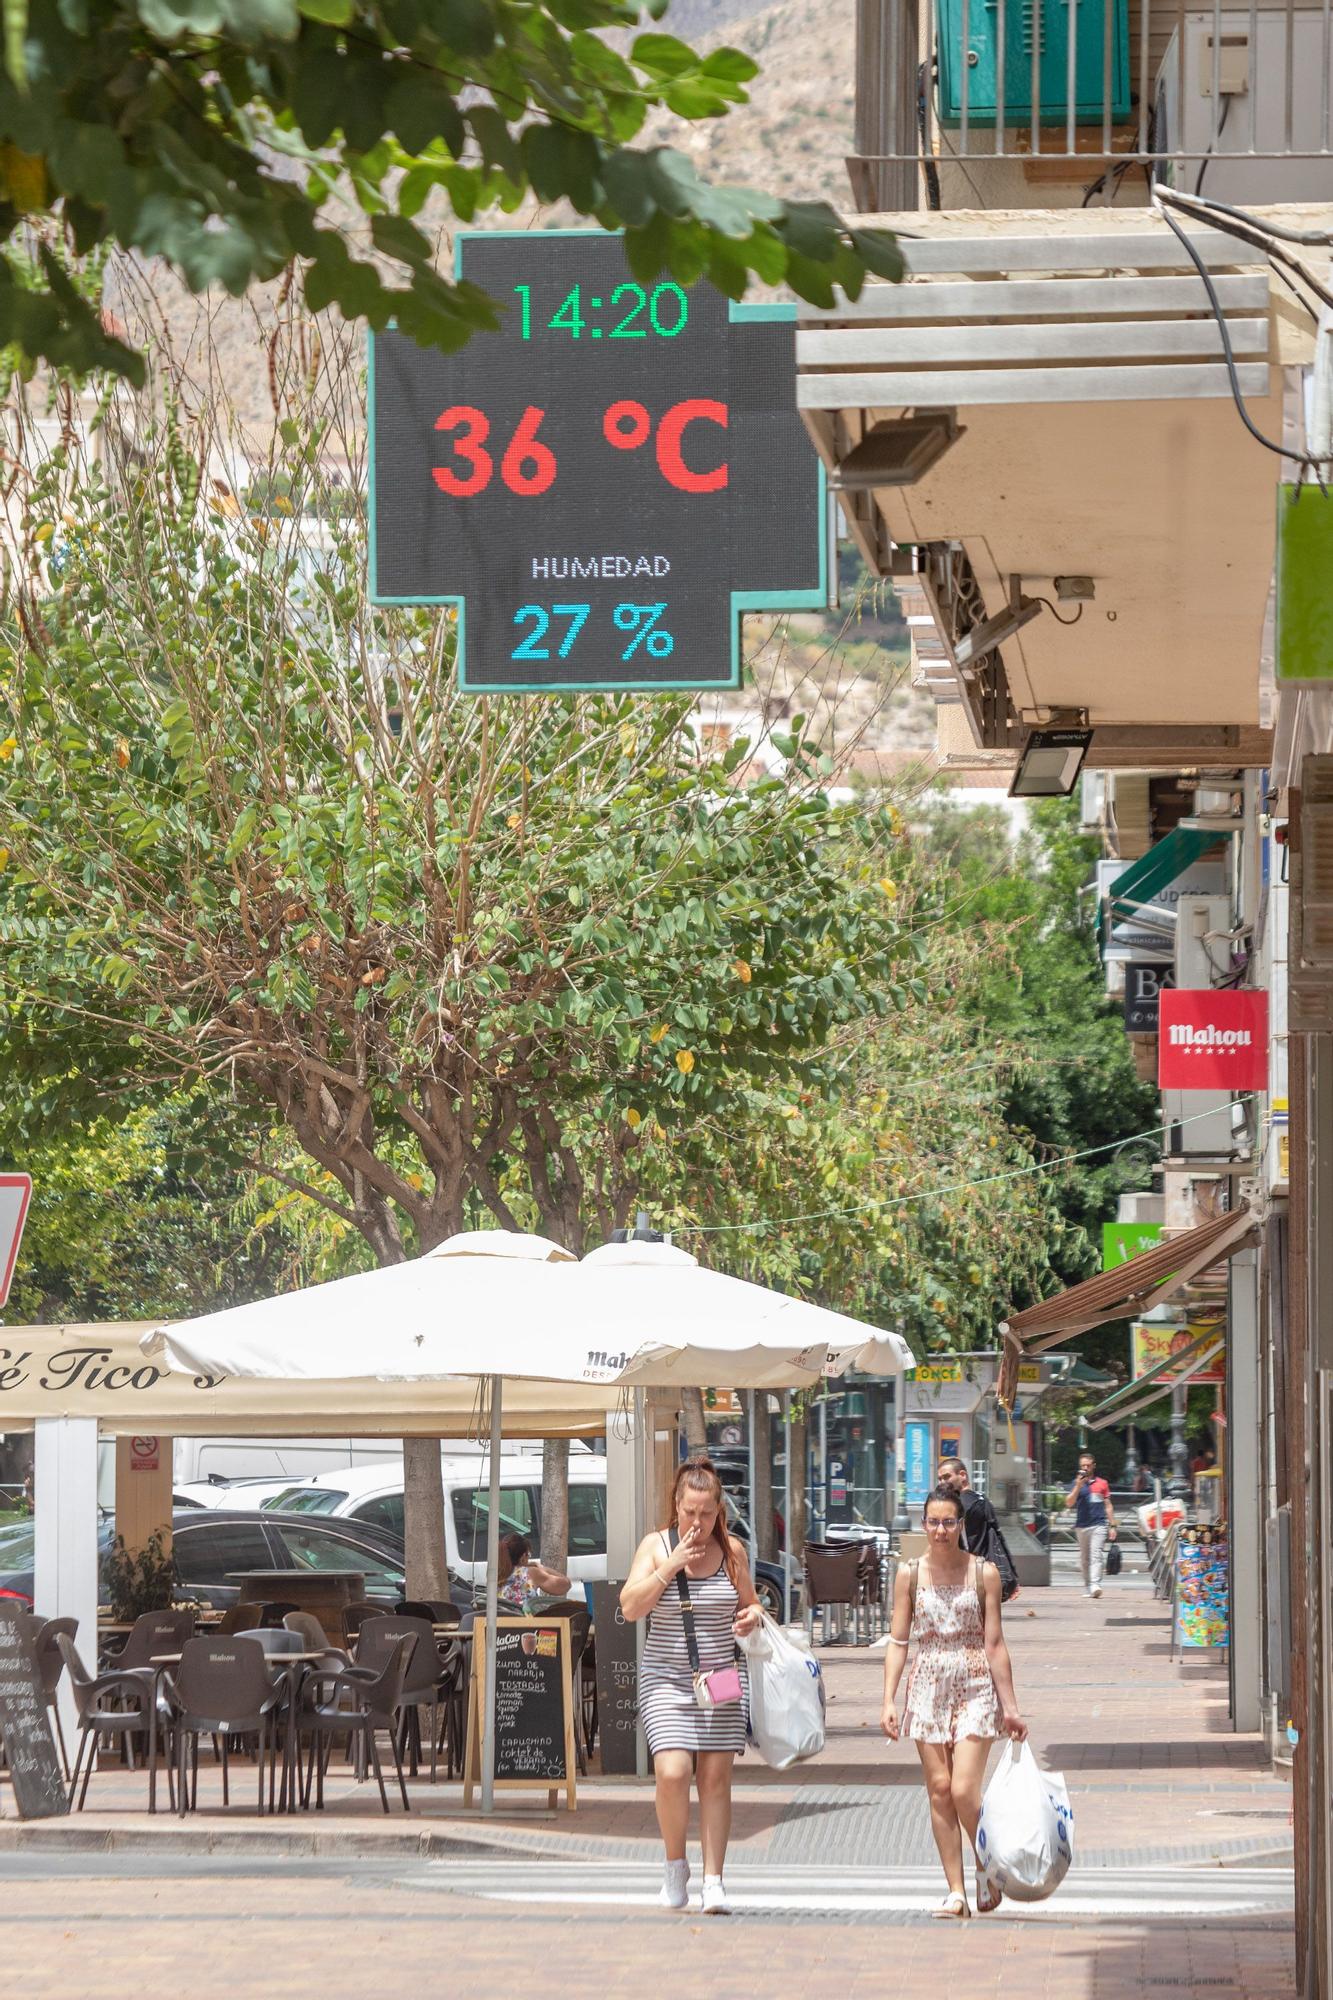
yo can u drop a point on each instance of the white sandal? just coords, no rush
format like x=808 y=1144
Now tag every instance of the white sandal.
x=954 y=1907
x=988 y=1897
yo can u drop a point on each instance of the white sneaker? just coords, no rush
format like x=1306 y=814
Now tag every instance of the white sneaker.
x=675 y=1891
x=714 y=1899
x=1096 y=1592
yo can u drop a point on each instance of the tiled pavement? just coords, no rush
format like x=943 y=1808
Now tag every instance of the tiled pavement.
x=1162 y=1789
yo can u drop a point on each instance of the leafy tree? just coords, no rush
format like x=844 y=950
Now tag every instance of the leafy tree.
x=137 y=1218
x=223 y=136
x=257 y=843
x=1044 y=997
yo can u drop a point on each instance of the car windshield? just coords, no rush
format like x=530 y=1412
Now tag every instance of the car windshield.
x=305 y=1500
x=16 y=1545
x=314 y=1548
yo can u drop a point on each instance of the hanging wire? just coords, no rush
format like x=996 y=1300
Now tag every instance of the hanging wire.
x=950 y=1187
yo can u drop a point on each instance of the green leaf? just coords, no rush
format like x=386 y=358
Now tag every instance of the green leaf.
x=663 y=55
x=15 y=24
x=420 y=108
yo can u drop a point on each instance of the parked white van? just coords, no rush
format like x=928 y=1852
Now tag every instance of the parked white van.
x=375 y=1494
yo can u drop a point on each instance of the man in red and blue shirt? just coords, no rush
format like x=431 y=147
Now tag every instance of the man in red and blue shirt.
x=1094 y=1521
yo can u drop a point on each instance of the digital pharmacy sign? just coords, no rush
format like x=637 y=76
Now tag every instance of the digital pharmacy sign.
x=605 y=485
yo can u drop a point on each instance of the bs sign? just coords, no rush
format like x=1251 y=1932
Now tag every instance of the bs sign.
x=605 y=485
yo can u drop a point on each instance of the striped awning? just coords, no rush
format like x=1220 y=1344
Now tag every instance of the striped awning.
x=1127 y=1292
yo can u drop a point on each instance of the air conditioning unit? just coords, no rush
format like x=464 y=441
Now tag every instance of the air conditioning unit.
x=1257 y=50
x=1048 y=22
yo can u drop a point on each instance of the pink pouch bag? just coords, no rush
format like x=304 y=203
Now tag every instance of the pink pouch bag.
x=721 y=1685
x=715 y=1690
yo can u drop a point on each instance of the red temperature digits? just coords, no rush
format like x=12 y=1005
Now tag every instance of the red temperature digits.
x=528 y=466
x=523 y=451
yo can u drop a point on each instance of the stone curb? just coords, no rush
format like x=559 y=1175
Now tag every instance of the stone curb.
x=438 y=1844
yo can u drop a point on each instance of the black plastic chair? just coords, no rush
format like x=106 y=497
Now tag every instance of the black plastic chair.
x=356 y=1614
x=314 y=1639
x=46 y=1636
x=114 y=1704
x=424 y=1684
x=152 y=1635
x=276 y=1641
x=833 y=1577
x=357 y=1703
x=222 y=1688
x=435 y=1610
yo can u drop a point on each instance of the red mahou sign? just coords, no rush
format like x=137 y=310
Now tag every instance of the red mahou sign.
x=1212 y=1040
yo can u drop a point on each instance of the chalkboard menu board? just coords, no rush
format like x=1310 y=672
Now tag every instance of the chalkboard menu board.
x=25 y=1728
x=617 y=1683
x=534 y=1712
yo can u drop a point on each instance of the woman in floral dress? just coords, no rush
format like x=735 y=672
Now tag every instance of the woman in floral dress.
x=960 y=1692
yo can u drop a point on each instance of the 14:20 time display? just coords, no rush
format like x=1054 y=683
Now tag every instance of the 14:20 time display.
x=634 y=312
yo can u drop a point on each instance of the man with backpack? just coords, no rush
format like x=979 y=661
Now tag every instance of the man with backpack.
x=981 y=1528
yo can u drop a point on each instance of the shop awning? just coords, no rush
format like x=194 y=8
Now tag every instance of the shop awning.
x=1154 y=871
x=1163 y=1375
x=1127 y=1292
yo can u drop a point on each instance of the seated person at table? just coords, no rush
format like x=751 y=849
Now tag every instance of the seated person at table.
x=521 y=1577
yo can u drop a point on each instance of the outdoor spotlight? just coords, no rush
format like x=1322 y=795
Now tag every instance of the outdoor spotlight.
x=999 y=629
x=897 y=451
x=1050 y=764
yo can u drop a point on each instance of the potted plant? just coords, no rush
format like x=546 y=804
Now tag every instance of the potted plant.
x=139 y=1580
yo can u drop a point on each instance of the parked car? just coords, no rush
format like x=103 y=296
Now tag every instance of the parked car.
x=218 y=1492
x=374 y=1495
x=210 y=1545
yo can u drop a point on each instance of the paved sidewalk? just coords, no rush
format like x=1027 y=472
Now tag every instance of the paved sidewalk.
x=1155 y=1772
x=1181 y=1883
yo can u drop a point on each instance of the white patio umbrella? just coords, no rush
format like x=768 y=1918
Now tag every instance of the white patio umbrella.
x=497 y=1304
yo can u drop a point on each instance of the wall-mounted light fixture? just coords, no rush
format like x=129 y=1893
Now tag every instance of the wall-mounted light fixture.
x=897 y=451
x=1051 y=762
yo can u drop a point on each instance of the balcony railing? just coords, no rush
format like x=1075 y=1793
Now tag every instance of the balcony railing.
x=1237 y=98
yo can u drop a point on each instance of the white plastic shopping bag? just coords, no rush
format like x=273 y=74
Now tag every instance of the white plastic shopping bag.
x=786 y=1696
x=1025 y=1835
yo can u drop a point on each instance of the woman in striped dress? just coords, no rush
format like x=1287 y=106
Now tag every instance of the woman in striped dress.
x=681 y=1735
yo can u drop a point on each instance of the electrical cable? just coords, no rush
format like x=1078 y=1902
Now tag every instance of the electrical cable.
x=1313 y=239
x=1257 y=234
x=1213 y=144
x=950 y=1187
x=1055 y=614
x=928 y=167
x=1301 y=458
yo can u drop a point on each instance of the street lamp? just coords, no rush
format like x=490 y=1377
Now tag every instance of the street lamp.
x=1178 y=1485
x=1050 y=764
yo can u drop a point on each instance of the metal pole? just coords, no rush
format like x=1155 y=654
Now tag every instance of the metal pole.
x=642 y=1445
x=902 y=1520
x=753 y=1395
x=1178 y=1485
x=492 y=1603
x=823 y=1463
x=1130 y=1471
x=786 y=1508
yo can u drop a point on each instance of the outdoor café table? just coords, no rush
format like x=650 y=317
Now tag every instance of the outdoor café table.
x=289 y=1665
x=326 y=1592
